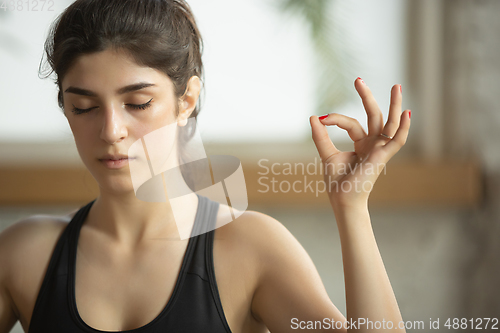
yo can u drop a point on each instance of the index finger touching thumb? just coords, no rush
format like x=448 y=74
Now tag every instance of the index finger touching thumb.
x=321 y=139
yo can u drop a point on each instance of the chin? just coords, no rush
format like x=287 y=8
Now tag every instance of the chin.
x=116 y=186
x=113 y=180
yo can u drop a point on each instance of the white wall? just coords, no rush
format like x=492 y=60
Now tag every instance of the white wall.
x=259 y=75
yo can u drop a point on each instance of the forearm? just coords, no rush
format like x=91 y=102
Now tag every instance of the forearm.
x=369 y=293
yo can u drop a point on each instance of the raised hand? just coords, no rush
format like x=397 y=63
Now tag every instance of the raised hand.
x=350 y=176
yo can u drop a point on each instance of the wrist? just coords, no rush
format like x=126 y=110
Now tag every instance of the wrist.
x=352 y=210
x=352 y=217
x=349 y=205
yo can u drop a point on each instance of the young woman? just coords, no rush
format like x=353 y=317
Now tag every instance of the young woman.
x=126 y=68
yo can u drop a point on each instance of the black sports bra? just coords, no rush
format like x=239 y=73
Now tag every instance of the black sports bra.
x=193 y=307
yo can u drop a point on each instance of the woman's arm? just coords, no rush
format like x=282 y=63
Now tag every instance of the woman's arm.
x=290 y=295
x=369 y=294
x=368 y=291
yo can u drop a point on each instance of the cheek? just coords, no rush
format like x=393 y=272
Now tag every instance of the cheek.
x=83 y=136
x=159 y=134
x=160 y=118
x=142 y=128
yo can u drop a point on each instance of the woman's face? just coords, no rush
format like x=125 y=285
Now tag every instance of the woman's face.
x=111 y=88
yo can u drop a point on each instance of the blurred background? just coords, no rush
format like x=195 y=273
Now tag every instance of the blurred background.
x=270 y=64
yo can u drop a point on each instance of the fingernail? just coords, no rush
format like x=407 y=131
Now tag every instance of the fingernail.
x=323 y=117
x=401 y=88
x=360 y=79
x=409 y=114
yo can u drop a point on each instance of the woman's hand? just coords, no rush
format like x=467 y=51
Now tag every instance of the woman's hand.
x=350 y=176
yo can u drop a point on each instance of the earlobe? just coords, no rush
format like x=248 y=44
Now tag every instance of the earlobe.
x=183 y=114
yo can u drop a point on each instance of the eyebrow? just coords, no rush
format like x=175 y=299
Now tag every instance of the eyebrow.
x=121 y=91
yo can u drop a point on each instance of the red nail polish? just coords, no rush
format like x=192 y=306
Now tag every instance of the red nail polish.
x=409 y=114
x=401 y=88
x=360 y=79
x=323 y=117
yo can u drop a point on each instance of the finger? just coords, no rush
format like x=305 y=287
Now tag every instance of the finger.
x=375 y=119
x=399 y=139
x=351 y=125
x=321 y=139
x=392 y=124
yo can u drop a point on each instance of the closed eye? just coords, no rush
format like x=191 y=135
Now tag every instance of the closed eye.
x=141 y=106
x=134 y=106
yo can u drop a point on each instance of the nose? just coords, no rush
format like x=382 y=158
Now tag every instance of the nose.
x=114 y=127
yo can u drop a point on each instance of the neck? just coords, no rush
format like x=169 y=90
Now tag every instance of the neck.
x=129 y=221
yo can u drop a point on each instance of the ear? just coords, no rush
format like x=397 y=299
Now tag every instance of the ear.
x=187 y=102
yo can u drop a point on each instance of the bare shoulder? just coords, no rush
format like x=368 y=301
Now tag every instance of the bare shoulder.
x=25 y=250
x=30 y=240
x=272 y=248
x=27 y=234
x=259 y=233
x=244 y=251
x=284 y=279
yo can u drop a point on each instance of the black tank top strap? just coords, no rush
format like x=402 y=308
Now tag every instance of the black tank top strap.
x=193 y=307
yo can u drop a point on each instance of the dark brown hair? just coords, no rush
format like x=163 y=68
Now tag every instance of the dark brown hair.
x=161 y=34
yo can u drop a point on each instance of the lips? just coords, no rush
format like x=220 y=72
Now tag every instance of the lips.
x=114 y=157
x=116 y=164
